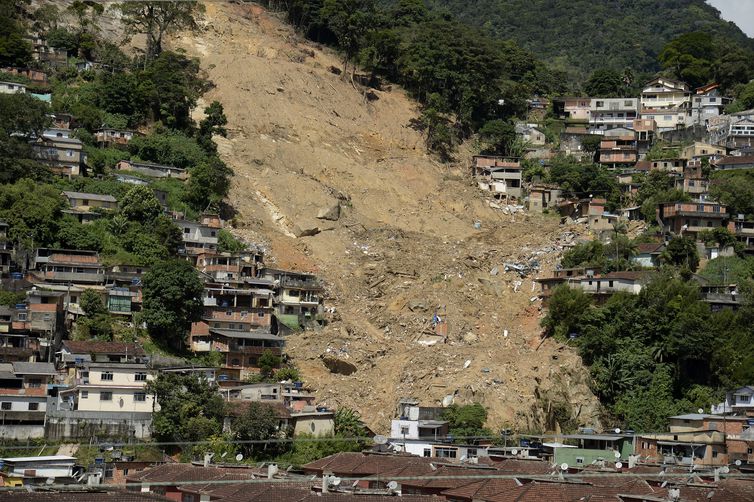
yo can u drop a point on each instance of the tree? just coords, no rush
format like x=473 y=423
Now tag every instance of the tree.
x=156 y=19
x=440 y=138
x=605 y=83
x=170 y=148
x=466 y=422
x=15 y=50
x=259 y=422
x=172 y=300
x=227 y=243
x=566 y=311
x=21 y=117
x=140 y=204
x=214 y=122
x=348 y=423
x=33 y=211
x=190 y=409
x=350 y=21
x=208 y=184
x=735 y=190
x=267 y=363
x=681 y=252
x=499 y=135
x=91 y=303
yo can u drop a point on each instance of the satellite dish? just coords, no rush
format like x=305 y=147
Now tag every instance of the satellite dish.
x=514 y=451
x=616 y=454
x=700 y=410
x=379 y=439
x=738 y=462
x=724 y=469
x=392 y=485
x=618 y=465
x=563 y=466
x=617 y=430
x=239 y=457
x=50 y=481
x=335 y=481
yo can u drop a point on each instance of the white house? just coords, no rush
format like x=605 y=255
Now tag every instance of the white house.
x=109 y=387
x=12 y=88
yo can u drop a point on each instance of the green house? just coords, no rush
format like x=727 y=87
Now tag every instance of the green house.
x=593 y=448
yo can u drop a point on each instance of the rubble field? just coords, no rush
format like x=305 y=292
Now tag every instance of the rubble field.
x=337 y=183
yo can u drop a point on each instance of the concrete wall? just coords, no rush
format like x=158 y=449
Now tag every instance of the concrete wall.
x=20 y=432
x=78 y=424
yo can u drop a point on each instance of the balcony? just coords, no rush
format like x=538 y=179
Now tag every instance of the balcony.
x=253 y=350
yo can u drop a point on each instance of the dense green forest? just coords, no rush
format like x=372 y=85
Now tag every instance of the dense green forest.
x=579 y=36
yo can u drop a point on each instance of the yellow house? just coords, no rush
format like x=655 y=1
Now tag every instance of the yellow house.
x=110 y=387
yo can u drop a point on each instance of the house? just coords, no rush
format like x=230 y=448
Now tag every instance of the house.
x=291 y=395
x=606 y=285
x=531 y=134
x=107 y=399
x=610 y=113
x=573 y=109
x=741 y=132
x=170 y=480
x=198 y=238
x=667 y=119
x=668 y=165
x=543 y=197
x=415 y=428
x=240 y=350
x=645 y=129
x=237 y=309
x=151 y=169
x=44 y=53
x=86 y=207
x=6 y=249
x=699 y=150
x=662 y=93
x=571 y=142
x=299 y=299
x=562 y=276
x=69 y=266
x=733 y=162
x=62 y=155
x=691 y=217
x=499 y=175
x=23 y=399
x=36 y=76
x=739 y=401
x=694 y=181
x=37 y=470
x=707 y=102
x=12 y=88
x=105 y=136
x=595 y=449
x=42 y=314
x=618 y=151
x=648 y=254
x=75 y=352
x=81 y=201
x=721 y=296
x=237 y=269
x=743 y=230
x=14 y=346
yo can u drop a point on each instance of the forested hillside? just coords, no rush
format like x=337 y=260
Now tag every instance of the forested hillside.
x=581 y=35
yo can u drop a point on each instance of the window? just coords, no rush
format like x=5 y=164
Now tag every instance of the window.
x=742 y=399
x=427 y=452
x=105 y=396
x=33 y=406
x=749 y=451
x=35 y=383
x=84 y=394
x=579 y=460
x=5 y=406
x=140 y=397
x=69 y=153
x=107 y=376
x=445 y=452
x=213 y=234
x=186 y=230
x=140 y=377
x=85 y=202
x=610 y=284
x=627 y=103
x=714 y=453
x=667 y=117
x=404 y=430
x=600 y=104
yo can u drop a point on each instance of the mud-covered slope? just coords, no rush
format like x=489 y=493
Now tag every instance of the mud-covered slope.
x=301 y=140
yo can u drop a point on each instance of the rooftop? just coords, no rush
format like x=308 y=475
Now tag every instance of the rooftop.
x=90 y=196
x=102 y=347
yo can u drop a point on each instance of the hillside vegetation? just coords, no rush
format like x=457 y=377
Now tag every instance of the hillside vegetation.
x=582 y=35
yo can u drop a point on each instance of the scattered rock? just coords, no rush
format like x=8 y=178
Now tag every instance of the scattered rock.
x=338 y=366
x=331 y=213
x=335 y=70
x=415 y=305
x=470 y=337
x=306 y=230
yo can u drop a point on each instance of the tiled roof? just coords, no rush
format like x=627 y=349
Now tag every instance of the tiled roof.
x=74 y=496
x=74 y=258
x=37 y=368
x=102 y=347
x=90 y=196
x=735 y=160
x=649 y=247
x=366 y=464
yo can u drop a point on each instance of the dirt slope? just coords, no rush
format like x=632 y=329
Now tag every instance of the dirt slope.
x=301 y=140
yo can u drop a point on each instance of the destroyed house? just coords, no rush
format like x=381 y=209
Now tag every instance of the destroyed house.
x=500 y=175
x=151 y=169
